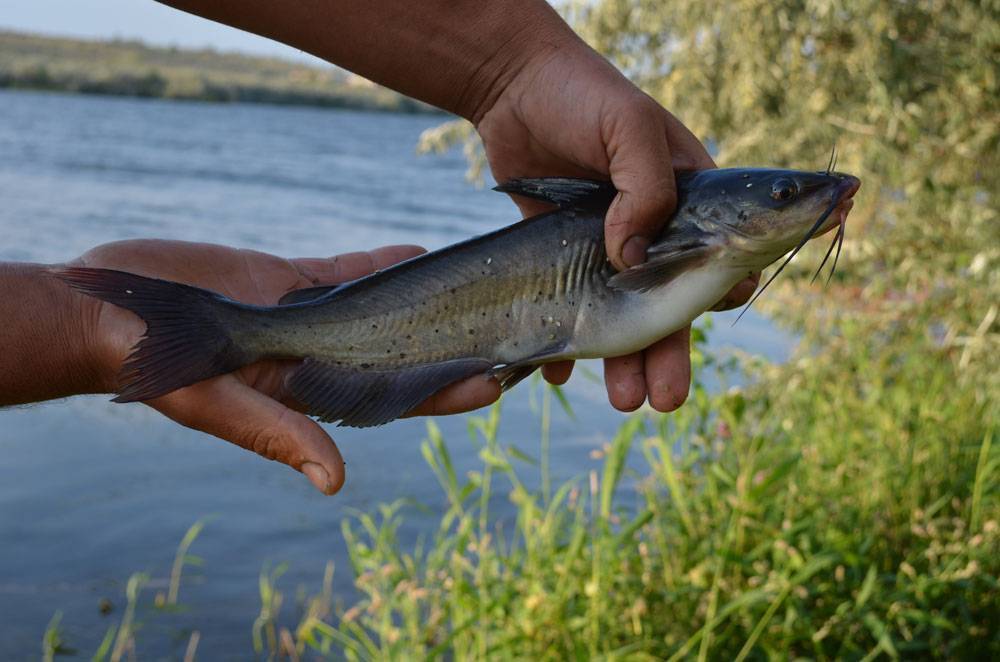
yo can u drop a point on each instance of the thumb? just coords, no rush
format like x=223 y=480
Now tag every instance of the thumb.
x=229 y=409
x=640 y=168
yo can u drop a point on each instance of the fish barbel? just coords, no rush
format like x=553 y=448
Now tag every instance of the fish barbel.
x=501 y=304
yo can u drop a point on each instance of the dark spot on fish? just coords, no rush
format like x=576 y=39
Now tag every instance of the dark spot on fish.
x=409 y=337
x=374 y=326
x=402 y=355
x=472 y=332
x=365 y=366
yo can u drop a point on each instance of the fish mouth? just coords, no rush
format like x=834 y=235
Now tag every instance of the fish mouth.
x=843 y=194
x=835 y=216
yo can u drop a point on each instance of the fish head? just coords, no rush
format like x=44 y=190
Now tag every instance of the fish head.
x=762 y=213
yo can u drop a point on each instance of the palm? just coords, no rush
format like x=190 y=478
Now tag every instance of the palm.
x=250 y=407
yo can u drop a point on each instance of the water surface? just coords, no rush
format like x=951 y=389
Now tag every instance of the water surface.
x=91 y=492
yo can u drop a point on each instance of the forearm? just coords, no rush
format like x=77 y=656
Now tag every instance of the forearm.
x=43 y=351
x=456 y=55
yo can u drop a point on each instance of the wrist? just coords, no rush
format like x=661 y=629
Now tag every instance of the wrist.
x=45 y=337
x=524 y=41
x=91 y=356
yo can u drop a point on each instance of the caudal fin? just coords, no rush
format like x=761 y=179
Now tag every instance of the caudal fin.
x=186 y=337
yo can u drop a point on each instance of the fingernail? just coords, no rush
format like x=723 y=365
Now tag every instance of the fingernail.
x=317 y=476
x=634 y=250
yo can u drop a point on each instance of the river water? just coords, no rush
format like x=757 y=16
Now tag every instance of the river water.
x=91 y=491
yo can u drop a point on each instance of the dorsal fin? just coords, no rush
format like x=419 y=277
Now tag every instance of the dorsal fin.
x=562 y=191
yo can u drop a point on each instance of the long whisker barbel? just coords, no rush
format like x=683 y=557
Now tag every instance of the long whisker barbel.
x=809 y=235
x=840 y=244
x=833 y=159
x=826 y=257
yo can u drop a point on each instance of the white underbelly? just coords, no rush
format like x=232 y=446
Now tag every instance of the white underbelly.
x=634 y=320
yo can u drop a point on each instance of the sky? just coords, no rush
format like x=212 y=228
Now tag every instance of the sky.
x=134 y=19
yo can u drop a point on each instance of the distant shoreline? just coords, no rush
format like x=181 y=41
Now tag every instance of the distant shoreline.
x=133 y=69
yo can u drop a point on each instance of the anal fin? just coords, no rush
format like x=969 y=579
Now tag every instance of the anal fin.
x=365 y=398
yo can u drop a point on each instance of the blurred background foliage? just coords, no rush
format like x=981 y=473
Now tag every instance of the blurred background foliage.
x=908 y=92
x=845 y=504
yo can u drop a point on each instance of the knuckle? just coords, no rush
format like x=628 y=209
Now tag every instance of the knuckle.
x=270 y=443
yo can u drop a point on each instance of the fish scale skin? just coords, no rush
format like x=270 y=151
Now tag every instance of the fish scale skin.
x=504 y=297
x=542 y=285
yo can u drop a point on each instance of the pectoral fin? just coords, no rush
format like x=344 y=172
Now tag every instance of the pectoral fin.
x=511 y=374
x=364 y=398
x=662 y=266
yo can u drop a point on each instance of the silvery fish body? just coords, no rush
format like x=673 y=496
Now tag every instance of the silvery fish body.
x=500 y=304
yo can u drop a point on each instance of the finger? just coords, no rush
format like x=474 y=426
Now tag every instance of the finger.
x=686 y=151
x=557 y=373
x=668 y=370
x=226 y=408
x=739 y=295
x=640 y=170
x=466 y=395
x=625 y=380
x=349 y=266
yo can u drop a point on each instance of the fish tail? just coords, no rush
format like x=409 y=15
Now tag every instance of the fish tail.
x=187 y=335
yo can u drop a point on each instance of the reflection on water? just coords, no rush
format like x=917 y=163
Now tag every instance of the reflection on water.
x=90 y=491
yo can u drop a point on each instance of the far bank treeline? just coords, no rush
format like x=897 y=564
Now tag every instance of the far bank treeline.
x=134 y=69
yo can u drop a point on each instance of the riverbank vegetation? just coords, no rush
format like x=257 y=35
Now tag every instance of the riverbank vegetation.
x=134 y=69
x=845 y=504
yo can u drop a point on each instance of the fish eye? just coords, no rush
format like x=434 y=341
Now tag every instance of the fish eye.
x=783 y=189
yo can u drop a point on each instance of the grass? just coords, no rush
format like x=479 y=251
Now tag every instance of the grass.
x=845 y=505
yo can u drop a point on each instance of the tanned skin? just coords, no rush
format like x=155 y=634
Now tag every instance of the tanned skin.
x=544 y=103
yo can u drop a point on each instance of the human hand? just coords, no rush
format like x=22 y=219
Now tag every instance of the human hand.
x=568 y=112
x=251 y=407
